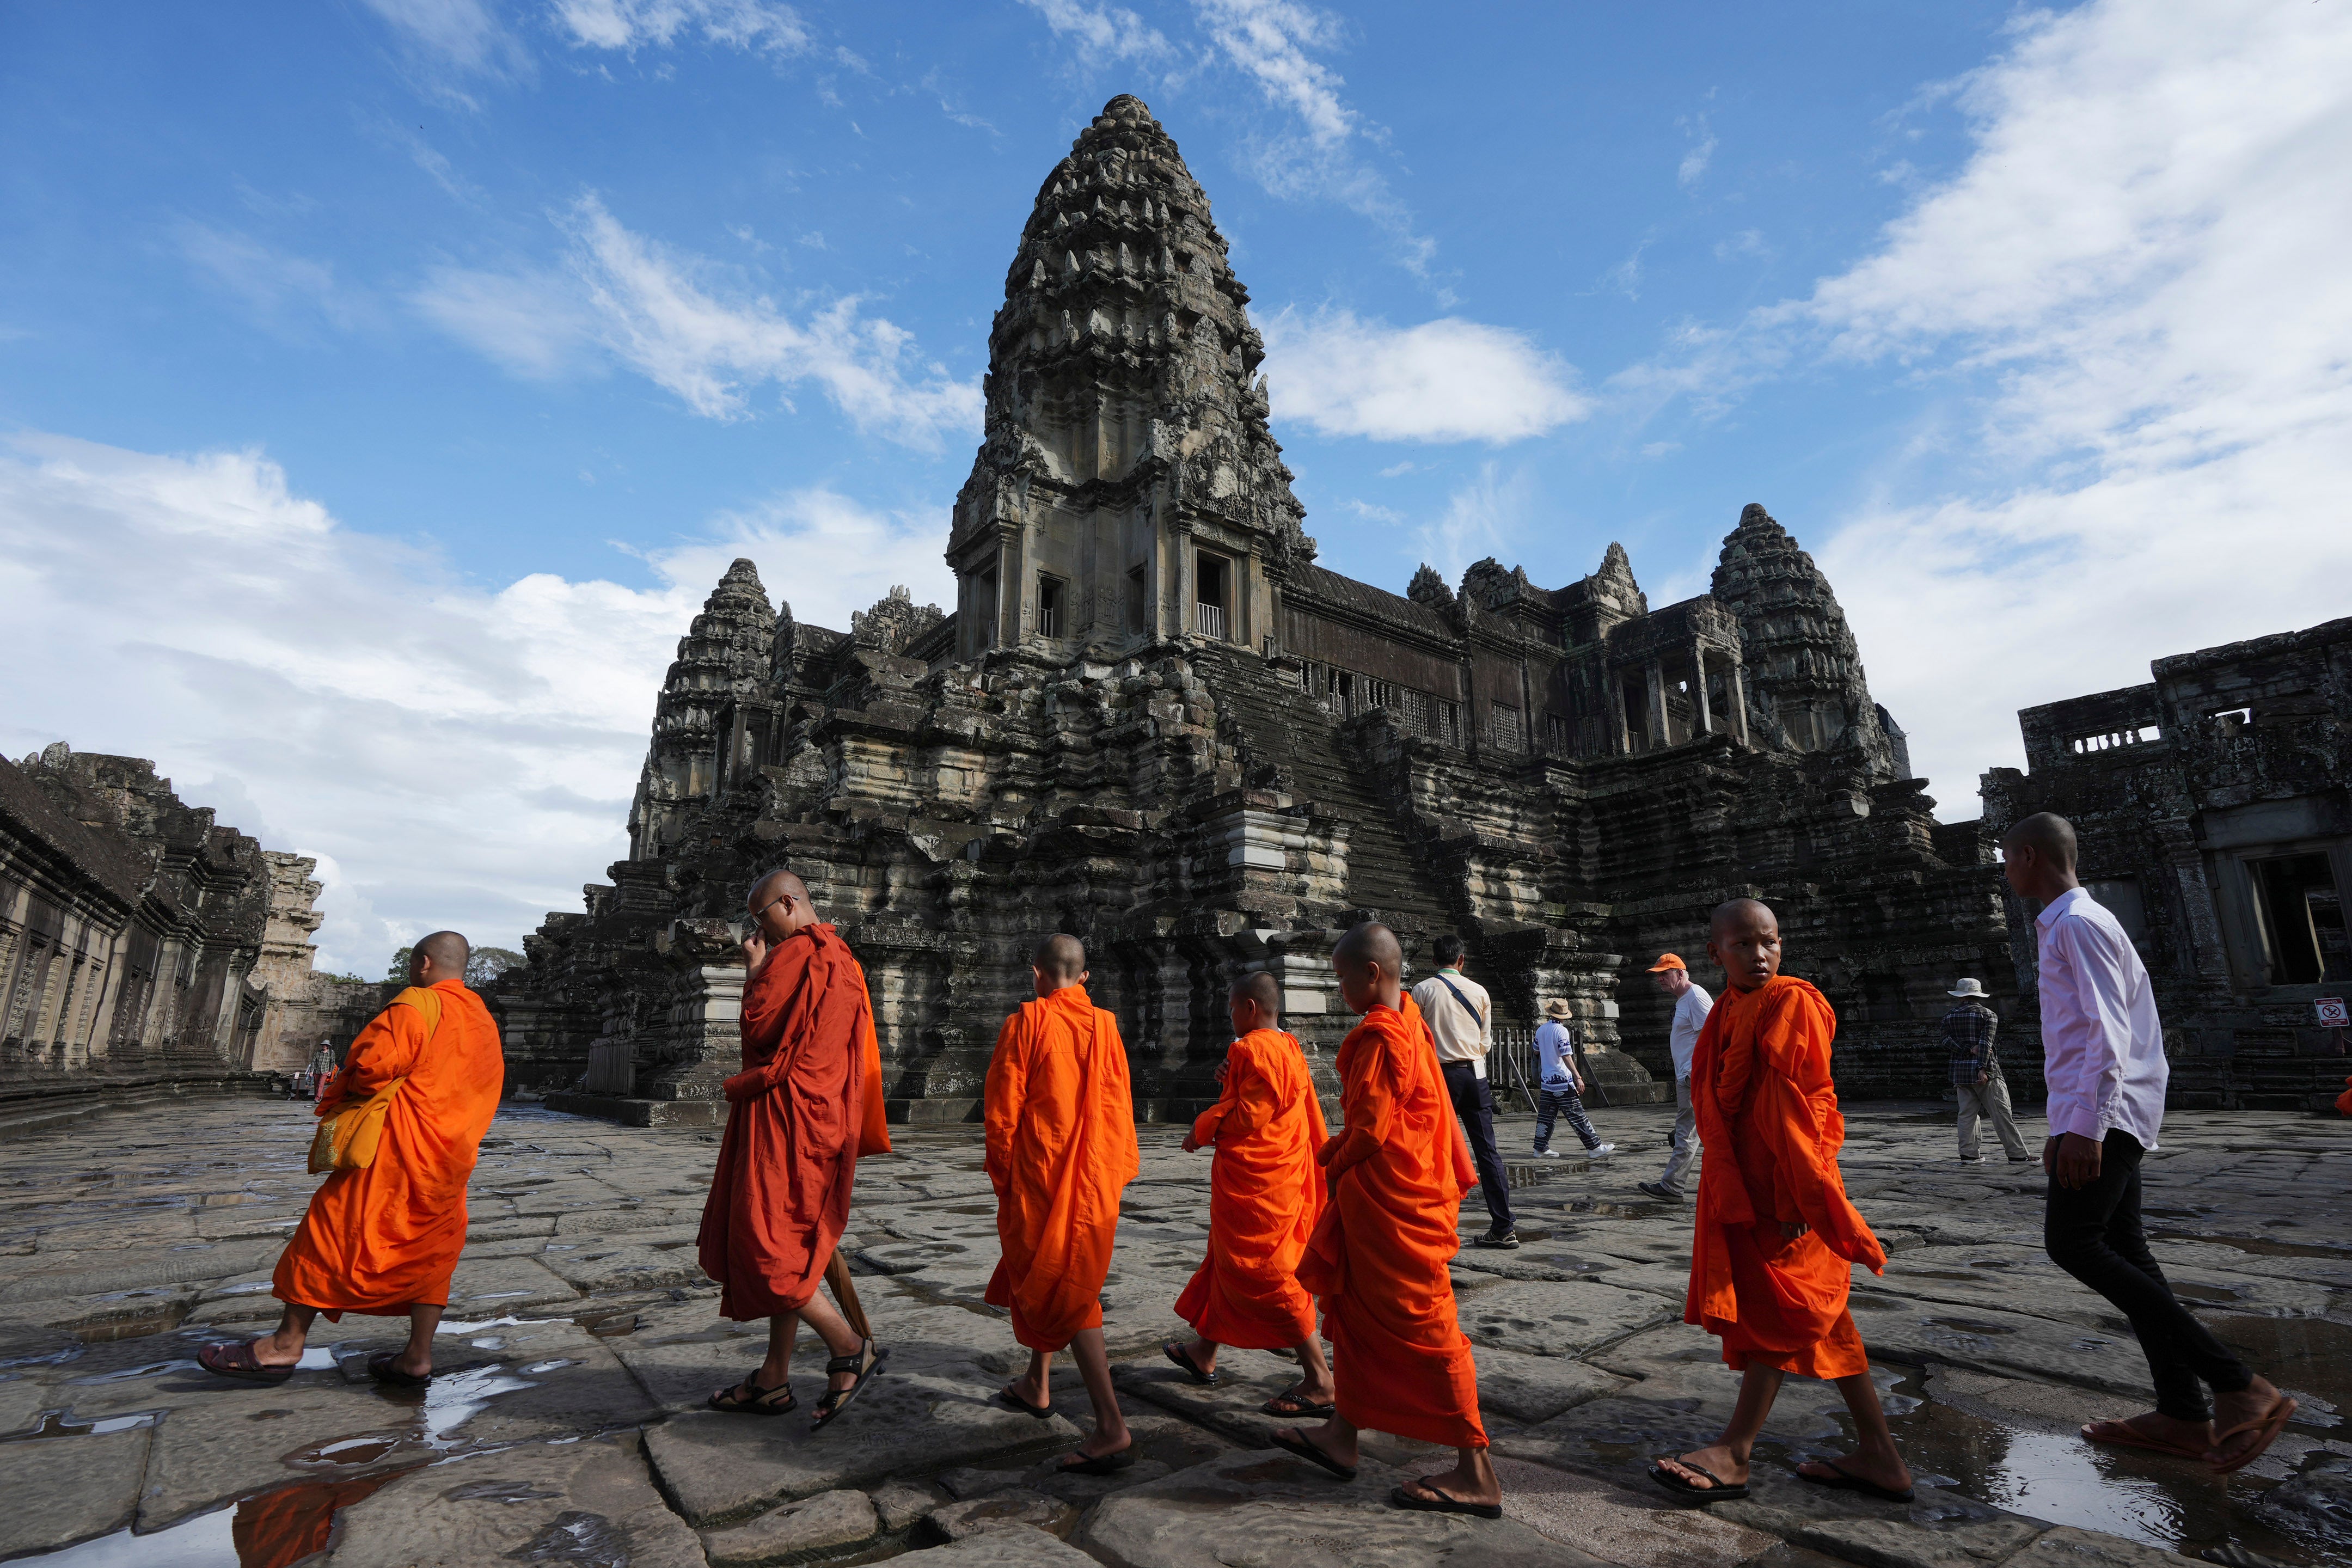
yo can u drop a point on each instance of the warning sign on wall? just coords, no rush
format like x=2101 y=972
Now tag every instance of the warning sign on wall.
x=2331 y=1012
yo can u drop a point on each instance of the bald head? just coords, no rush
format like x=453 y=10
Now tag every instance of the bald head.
x=1061 y=958
x=1743 y=938
x=438 y=957
x=779 y=905
x=2048 y=834
x=2038 y=857
x=1371 y=966
x=1733 y=913
x=1261 y=988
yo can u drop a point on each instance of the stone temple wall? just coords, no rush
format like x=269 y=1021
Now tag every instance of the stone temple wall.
x=142 y=943
x=1151 y=720
x=2215 y=811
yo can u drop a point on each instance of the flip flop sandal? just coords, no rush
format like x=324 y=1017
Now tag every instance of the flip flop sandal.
x=236 y=1360
x=1039 y=1412
x=1289 y=1403
x=867 y=1364
x=762 y=1401
x=1303 y=1446
x=2123 y=1435
x=1099 y=1465
x=1847 y=1481
x=1439 y=1502
x=1191 y=1368
x=2266 y=1427
x=380 y=1367
x=1721 y=1491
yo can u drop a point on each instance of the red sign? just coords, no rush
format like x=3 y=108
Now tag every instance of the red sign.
x=2331 y=1012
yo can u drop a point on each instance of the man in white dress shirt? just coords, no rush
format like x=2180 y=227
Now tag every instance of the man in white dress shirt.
x=2103 y=1063
x=1461 y=1019
x=1692 y=1005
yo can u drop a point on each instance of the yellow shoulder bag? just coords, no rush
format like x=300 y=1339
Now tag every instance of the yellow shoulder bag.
x=348 y=1135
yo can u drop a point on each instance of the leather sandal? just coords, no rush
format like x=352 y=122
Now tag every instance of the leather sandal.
x=748 y=1398
x=236 y=1360
x=867 y=1364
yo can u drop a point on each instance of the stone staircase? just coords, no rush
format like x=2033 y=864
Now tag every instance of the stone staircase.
x=1273 y=722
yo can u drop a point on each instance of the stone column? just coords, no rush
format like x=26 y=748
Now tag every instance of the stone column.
x=1740 y=700
x=1655 y=674
x=1698 y=683
x=1187 y=567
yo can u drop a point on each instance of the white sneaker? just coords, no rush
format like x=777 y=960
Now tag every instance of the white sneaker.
x=1600 y=1149
x=1547 y=1154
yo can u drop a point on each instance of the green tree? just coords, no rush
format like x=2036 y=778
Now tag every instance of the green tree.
x=399 y=970
x=488 y=963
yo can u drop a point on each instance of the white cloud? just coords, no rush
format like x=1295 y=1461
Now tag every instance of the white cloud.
x=1446 y=380
x=672 y=317
x=1694 y=161
x=461 y=34
x=1104 y=35
x=633 y=24
x=1483 y=518
x=285 y=292
x=2136 y=291
x=454 y=755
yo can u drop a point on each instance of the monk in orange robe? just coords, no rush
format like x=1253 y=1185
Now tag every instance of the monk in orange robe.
x=1776 y=1239
x=1266 y=1193
x=1061 y=1149
x=1378 y=1257
x=383 y=1239
x=807 y=1103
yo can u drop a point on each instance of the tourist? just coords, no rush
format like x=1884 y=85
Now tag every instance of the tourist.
x=1378 y=1258
x=1776 y=1239
x=1462 y=1020
x=1976 y=1074
x=1692 y=1005
x=381 y=1238
x=1561 y=1087
x=1061 y=1148
x=1266 y=1193
x=2104 y=1068
x=807 y=1104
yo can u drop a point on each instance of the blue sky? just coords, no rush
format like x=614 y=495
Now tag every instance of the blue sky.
x=384 y=382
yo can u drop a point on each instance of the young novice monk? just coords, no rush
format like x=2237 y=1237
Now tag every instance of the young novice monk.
x=1775 y=1238
x=1265 y=1192
x=1061 y=1146
x=1378 y=1256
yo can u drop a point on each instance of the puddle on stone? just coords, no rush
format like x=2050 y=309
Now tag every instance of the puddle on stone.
x=2309 y=1357
x=152 y=1369
x=1968 y=1326
x=1986 y=1455
x=2260 y=1246
x=61 y=1424
x=276 y=1529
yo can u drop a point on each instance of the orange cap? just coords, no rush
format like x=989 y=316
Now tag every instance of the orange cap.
x=1668 y=961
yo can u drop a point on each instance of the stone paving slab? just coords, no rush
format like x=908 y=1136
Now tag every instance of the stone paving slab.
x=563 y=1342
x=85 y=1486
x=1269 y=1510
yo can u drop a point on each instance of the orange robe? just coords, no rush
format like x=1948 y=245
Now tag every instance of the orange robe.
x=1761 y=1088
x=2344 y=1101
x=1061 y=1149
x=1266 y=1193
x=386 y=1236
x=1378 y=1257
x=807 y=1104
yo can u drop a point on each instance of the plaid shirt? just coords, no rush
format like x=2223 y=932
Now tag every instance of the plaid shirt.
x=1967 y=1034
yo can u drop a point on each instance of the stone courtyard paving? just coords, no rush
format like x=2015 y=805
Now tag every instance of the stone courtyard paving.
x=565 y=1426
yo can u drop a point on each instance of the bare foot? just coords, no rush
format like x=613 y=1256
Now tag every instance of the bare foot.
x=413 y=1361
x=1705 y=1468
x=2154 y=1429
x=1472 y=1479
x=1886 y=1470
x=1327 y=1442
x=267 y=1350
x=2246 y=1408
x=1031 y=1390
x=1100 y=1445
x=1204 y=1356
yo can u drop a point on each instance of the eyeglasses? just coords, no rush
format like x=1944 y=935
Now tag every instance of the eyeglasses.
x=771 y=903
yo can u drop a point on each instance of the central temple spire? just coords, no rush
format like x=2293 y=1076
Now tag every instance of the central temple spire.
x=1128 y=489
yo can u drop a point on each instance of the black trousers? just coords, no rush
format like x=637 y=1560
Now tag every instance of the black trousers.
x=2093 y=1233
x=1477 y=1109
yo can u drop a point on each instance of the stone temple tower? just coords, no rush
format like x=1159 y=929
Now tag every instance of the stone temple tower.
x=1128 y=489
x=723 y=655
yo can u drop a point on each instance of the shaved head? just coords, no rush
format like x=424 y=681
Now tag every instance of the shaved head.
x=2048 y=834
x=775 y=885
x=1735 y=913
x=1261 y=988
x=1371 y=943
x=447 y=951
x=1061 y=956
